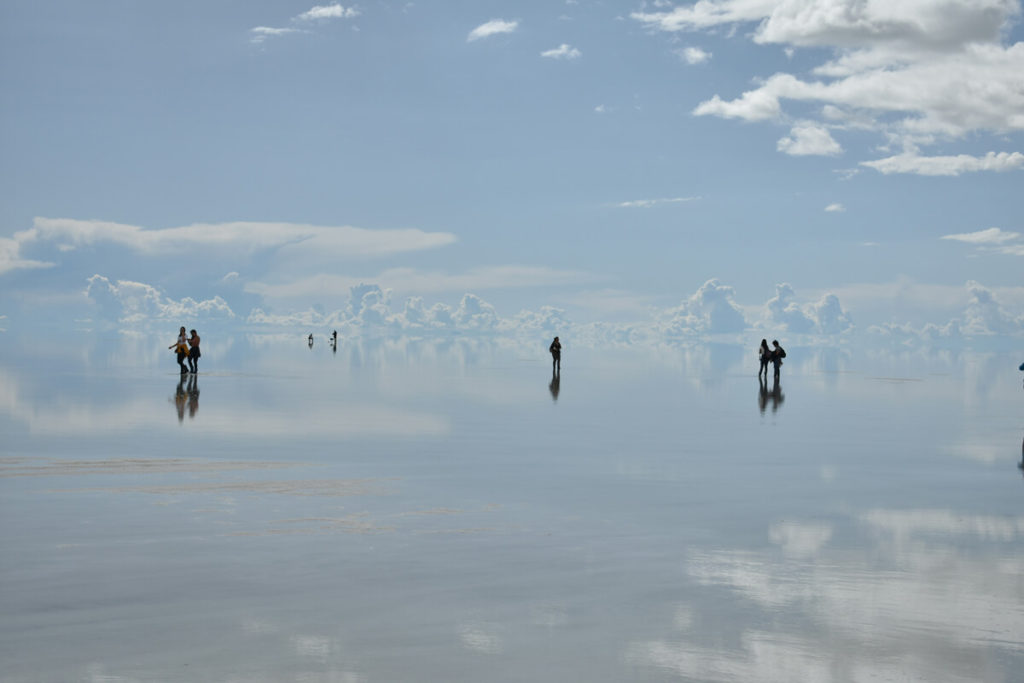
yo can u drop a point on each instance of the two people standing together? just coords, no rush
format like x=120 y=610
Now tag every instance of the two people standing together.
x=770 y=355
x=187 y=347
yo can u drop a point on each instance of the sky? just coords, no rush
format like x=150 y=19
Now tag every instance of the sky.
x=626 y=171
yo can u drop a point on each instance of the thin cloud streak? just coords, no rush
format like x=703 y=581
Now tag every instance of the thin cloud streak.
x=492 y=28
x=648 y=203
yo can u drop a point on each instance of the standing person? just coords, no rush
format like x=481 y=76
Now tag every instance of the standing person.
x=778 y=353
x=764 y=354
x=181 y=348
x=556 y=355
x=193 y=352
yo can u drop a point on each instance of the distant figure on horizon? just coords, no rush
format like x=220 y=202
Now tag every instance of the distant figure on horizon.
x=334 y=338
x=556 y=355
x=778 y=353
x=181 y=348
x=310 y=340
x=193 y=352
x=764 y=354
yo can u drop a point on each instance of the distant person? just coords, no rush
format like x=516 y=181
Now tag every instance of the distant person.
x=181 y=348
x=310 y=340
x=764 y=354
x=556 y=355
x=334 y=338
x=193 y=352
x=778 y=353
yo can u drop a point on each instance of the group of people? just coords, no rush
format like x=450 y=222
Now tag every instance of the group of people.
x=187 y=348
x=772 y=355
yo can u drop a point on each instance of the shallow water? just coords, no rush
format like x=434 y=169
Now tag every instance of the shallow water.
x=434 y=512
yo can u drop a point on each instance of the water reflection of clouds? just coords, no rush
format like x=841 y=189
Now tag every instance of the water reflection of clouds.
x=915 y=604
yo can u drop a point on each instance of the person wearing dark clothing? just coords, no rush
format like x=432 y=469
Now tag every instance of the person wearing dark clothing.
x=764 y=354
x=778 y=353
x=556 y=355
x=193 y=352
x=181 y=348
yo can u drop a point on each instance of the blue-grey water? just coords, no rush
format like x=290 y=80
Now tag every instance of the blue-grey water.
x=413 y=511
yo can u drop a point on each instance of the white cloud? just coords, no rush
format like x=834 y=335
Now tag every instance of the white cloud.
x=136 y=303
x=600 y=109
x=491 y=28
x=987 y=236
x=412 y=280
x=334 y=11
x=710 y=310
x=835 y=208
x=910 y=162
x=288 y=238
x=826 y=316
x=563 y=51
x=11 y=258
x=807 y=138
x=693 y=55
x=260 y=33
x=648 y=203
x=915 y=70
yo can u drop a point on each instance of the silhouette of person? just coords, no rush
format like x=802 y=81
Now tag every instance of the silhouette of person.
x=556 y=355
x=778 y=353
x=554 y=386
x=310 y=340
x=193 y=352
x=181 y=348
x=334 y=338
x=764 y=354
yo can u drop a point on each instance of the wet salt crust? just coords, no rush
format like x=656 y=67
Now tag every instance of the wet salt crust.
x=438 y=512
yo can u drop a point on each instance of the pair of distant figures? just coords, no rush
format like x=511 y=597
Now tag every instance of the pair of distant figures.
x=772 y=355
x=187 y=348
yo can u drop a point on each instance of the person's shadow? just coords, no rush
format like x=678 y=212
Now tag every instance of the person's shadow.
x=775 y=397
x=556 y=379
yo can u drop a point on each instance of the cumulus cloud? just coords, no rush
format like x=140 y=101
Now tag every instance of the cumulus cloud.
x=915 y=71
x=135 y=304
x=491 y=28
x=808 y=138
x=323 y=12
x=824 y=317
x=835 y=208
x=693 y=55
x=563 y=51
x=711 y=309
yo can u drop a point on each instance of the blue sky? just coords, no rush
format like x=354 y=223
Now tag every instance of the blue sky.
x=824 y=167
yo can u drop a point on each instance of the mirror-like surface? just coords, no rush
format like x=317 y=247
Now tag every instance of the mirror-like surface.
x=417 y=511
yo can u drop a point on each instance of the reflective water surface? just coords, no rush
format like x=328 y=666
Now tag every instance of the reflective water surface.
x=402 y=511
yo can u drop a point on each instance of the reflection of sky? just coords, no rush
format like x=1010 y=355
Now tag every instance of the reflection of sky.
x=408 y=510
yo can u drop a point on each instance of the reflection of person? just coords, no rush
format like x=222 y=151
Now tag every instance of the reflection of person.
x=778 y=353
x=180 y=398
x=193 y=352
x=764 y=396
x=764 y=354
x=554 y=386
x=181 y=348
x=193 y=396
x=556 y=355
